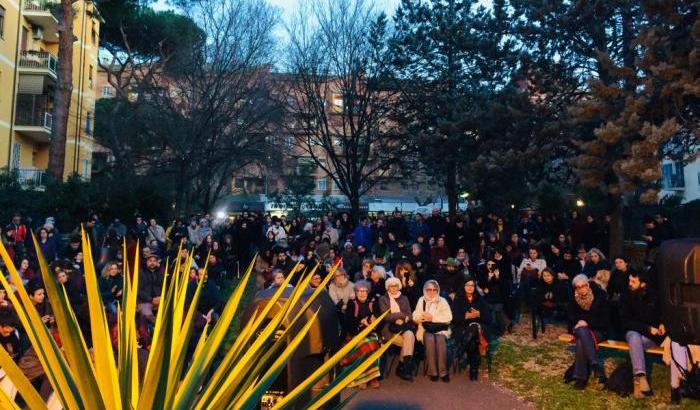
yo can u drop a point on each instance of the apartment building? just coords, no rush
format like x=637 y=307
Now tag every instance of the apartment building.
x=28 y=78
x=682 y=179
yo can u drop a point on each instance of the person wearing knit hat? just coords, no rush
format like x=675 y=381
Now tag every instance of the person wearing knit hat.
x=399 y=321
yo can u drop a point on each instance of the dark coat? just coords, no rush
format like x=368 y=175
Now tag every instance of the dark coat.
x=355 y=312
x=150 y=285
x=462 y=305
x=597 y=317
x=639 y=311
x=384 y=305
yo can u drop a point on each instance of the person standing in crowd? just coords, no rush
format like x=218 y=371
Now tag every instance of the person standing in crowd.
x=433 y=315
x=496 y=288
x=588 y=321
x=16 y=233
x=362 y=235
x=653 y=238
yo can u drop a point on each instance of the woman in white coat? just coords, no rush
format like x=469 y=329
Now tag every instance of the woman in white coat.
x=434 y=316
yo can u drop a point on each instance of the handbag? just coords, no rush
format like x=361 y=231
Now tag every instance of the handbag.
x=691 y=377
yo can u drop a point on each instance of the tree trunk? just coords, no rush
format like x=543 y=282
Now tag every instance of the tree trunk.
x=62 y=95
x=451 y=189
x=354 y=199
x=617 y=229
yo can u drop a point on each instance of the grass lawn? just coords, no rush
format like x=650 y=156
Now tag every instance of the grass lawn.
x=534 y=370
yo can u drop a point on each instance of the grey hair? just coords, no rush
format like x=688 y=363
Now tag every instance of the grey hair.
x=579 y=279
x=431 y=282
x=363 y=284
x=380 y=269
x=393 y=281
x=598 y=251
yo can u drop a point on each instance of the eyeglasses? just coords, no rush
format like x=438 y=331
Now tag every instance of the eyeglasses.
x=431 y=290
x=581 y=286
x=361 y=291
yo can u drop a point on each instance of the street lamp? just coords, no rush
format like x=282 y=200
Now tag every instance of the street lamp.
x=580 y=203
x=465 y=195
x=512 y=206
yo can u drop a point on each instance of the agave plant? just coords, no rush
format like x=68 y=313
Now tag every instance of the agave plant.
x=105 y=378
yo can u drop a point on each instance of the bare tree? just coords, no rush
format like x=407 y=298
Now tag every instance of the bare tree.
x=336 y=101
x=202 y=113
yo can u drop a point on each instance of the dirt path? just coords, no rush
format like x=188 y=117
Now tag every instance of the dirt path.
x=459 y=393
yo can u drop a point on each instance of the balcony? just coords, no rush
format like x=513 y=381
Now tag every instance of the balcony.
x=39 y=14
x=37 y=71
x=33 y=117
x=31 y=178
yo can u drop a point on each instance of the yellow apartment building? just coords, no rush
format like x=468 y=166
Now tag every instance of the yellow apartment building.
x=28 y=78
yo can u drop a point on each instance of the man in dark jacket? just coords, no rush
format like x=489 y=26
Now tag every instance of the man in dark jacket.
x=639 y=312
x=451 y=279
x=150 y=287
x=397 y=225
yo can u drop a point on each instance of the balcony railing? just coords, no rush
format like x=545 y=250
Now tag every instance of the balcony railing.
x=38 y=60
x=31 y=177
x=34 y=119
x=34 y=5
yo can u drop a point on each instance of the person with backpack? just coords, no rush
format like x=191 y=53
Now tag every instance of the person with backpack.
x=639 y=314
x=359 y=314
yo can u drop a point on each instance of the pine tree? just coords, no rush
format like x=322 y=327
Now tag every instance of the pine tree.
x=450 y=59
x=639 y=108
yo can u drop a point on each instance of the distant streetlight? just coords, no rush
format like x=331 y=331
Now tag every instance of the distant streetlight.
x=465 y=195
x=580 y=203
x=512 y=206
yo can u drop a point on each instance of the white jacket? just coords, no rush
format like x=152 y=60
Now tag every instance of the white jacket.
x=440 y=310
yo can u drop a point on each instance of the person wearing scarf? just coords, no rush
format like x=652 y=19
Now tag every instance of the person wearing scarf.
x=359 y=314
x=398 y=321
x=588 y=321
x=434 y=315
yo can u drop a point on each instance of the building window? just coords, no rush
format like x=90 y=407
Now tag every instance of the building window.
x=2 y=22
x=16 y=154
x=321 y=184
x=672 y=175
x=106 y=91
x=90 y=77
x=94 y=33
x=88 y=124
x=86 y=165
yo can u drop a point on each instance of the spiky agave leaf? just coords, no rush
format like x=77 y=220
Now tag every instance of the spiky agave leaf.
x=102 y=379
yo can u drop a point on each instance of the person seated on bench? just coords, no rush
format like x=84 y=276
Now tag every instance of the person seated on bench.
x=640 y=316
x=588 y=318
x=434 y=315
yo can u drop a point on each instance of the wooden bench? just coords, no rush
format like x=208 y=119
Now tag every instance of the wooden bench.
x=611 y=344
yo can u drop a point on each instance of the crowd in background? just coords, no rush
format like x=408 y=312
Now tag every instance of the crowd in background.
x=450 y=284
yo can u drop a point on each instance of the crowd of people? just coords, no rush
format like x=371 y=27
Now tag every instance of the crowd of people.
x=450 y=284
